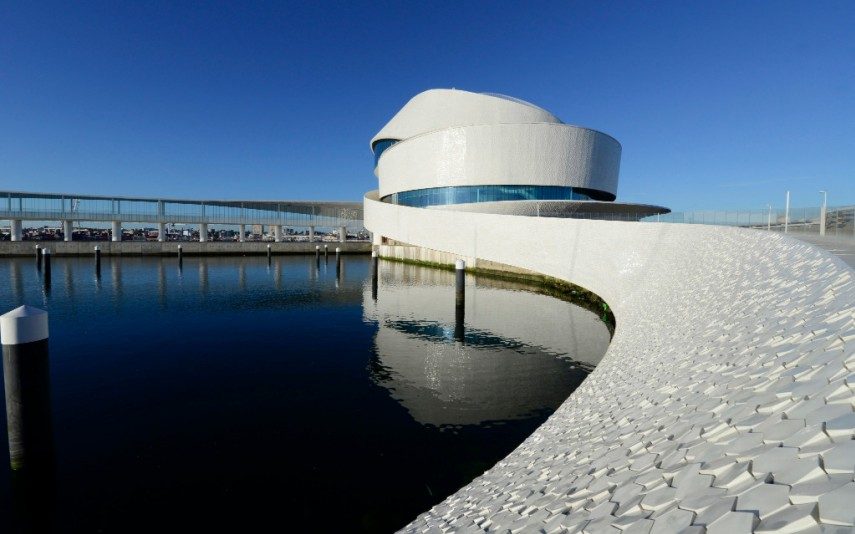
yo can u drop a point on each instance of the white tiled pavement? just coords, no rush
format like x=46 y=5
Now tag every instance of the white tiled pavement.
x=723 y=405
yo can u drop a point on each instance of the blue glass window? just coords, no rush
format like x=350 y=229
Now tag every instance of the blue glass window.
x=380 y=146
x=437 y=196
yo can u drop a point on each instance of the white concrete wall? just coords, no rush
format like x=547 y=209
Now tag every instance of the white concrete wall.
x=502 y=154
x=725 y=400
x=435 y=109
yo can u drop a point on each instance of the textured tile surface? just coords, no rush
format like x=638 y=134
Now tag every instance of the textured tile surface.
x=725 y=400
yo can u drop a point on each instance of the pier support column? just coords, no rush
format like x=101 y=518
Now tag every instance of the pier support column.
x=376 y=239
x=203 y=232
x=311 y=234
x=342 y=234
x=161 y=232
x=16 y=229
x=277 y=233
x=241 y=232
x=67 y=230
x=24 y=336
x=117 y=230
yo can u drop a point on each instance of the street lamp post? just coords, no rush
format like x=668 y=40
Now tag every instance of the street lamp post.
x=787 y=214
x=769 y=217
x=822 y=212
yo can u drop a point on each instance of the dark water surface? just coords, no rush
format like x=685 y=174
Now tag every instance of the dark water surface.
x=237 y=394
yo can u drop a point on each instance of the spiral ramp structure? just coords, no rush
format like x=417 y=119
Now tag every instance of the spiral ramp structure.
x=725 y=401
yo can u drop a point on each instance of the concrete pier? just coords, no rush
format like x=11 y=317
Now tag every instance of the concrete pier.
x=342 y=234
x=161 y=232
x=241 y=233
x=117 y=231
x=311 y=234
x=155 y=248
x=277 y=233
x=203 y=232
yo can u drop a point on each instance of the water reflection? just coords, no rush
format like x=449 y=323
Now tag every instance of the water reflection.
x=509 y=355
x=161 y=284
x=203 y=276
x=116 y=277
x=16 y=281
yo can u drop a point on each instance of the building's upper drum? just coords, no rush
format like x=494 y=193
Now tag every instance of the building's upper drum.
x=436 y=109
x=454 y=147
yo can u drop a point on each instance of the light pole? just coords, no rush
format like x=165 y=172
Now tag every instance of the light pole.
x=769 y=217
x=787 y=214
x=822 y=212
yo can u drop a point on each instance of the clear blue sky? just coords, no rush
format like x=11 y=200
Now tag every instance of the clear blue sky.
x=716 y=104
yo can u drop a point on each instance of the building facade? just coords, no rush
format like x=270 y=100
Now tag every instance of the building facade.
x=460 y=150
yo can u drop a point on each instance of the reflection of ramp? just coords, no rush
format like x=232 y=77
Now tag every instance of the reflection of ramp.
x=448 y=383
x=522 y=353
x=534 y=320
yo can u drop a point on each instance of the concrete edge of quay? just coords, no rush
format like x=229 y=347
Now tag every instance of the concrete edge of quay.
x=10 y=249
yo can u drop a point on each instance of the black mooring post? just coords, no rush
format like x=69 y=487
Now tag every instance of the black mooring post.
x=97 y=261
x=38 y=257
x=268 y=253
x=374 y=274
x=326 y=253
x=459 y=299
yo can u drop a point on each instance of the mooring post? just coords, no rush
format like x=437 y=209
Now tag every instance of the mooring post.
x=318 y=252
x=180 y=255
x=374 y=274
x=98 y=260
x=326 y=251
x=46 y=254
x=459 y=299
x=268 y=253
x=337 y=262
x=38 y=257
x=24 y=336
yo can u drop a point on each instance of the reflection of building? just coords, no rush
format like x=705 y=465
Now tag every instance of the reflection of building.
x=483 y=152
x=523 y=351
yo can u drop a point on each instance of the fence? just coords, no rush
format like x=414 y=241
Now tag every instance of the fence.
x=839 y=221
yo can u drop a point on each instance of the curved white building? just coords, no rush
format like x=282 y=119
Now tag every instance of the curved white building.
x=726 y=399
x=461 y=150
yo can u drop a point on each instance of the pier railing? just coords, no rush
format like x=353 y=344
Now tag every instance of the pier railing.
x=16 y=205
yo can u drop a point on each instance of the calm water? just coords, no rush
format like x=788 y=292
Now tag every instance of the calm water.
x=236 y=394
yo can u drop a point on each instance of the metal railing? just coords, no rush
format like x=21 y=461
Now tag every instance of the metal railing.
x=839 y=220
x=16 y=205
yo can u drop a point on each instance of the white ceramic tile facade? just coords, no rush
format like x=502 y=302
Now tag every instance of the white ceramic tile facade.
x=725 y=400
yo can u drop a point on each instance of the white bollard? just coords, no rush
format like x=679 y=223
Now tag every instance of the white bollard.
x=24 y=337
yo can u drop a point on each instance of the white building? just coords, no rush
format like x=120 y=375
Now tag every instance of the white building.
x=466 y=151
